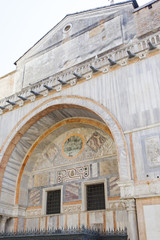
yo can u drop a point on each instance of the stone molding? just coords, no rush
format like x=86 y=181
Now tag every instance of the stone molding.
x=142 y=190
x=139 y=48
x=34 y=213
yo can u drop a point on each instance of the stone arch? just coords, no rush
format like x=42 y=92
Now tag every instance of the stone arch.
x=63 y=102
x=59 y=125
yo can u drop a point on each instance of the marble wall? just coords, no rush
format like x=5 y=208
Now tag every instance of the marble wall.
x=96 y=160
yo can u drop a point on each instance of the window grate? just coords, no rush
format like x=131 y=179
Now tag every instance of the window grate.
x=95 y=197
x=53 y=202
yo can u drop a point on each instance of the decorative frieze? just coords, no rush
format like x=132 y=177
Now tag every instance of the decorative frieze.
x=33 y=213
x=140 y=49
x=72 y=208
x=117 y=205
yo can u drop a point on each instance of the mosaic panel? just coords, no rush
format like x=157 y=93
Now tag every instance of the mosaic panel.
x=73 y=145
x=108 y=167
x=34 y=196
x=41 y=179
x=73 y=174
x=152 y=147
x=113 y=186
x=71 y=192
x=96 y=141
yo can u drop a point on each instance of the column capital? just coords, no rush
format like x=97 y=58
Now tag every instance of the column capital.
x=131 y=205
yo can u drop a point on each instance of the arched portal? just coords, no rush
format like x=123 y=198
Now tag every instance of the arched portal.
x=42 y=135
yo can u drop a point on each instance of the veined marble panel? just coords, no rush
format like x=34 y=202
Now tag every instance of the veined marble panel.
x=109 y=220
x=114 y=189
x=121 y=219
x=83 y=219
x=42 y=223
x=71 y=192
x=61 y=221
x=52 y=222
x=34 y=197
x=21 y=222
x=94 y=170
x=72 y=220
x=32 y=223
x=108 y=167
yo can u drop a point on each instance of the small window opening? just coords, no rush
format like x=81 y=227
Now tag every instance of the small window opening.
x=95 y=197
x=54 y=202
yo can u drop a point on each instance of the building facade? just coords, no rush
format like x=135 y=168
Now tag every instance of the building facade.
x=80 y=126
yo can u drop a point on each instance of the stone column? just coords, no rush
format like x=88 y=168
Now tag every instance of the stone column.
x=3 y=223
x=132 y=220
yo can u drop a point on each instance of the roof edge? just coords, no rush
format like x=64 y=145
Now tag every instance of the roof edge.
x=145 y=5
x=72 y=14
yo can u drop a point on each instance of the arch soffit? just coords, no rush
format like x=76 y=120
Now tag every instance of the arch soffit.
x=80 y=102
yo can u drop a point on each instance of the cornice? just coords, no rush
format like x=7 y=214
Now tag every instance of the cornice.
x=101 y=64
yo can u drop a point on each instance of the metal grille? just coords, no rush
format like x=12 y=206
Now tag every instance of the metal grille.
x=65 y=234
x=53 y=202
x=95 y=197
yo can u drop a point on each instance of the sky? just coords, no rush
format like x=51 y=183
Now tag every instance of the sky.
x=24 y=22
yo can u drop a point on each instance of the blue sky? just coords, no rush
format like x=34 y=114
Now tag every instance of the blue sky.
x=24 y=22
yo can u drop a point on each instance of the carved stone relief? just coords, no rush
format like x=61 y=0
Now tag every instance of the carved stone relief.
x=51 y=152
x=117 y=205
x=152 y=147
x=96 y=141
x=72 y=208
